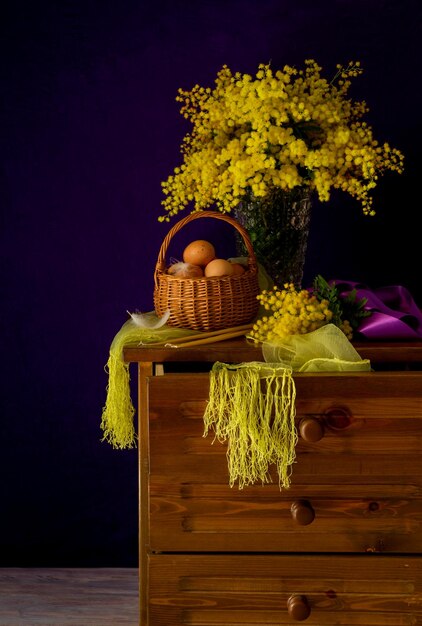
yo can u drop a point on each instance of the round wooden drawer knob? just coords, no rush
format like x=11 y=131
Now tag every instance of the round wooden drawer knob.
x=302 y=512
x=311 y=429
x=298 y=608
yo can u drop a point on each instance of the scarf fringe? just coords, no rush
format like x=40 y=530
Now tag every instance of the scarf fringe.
x=252 y=407
x=117 y=421
x=117 y=417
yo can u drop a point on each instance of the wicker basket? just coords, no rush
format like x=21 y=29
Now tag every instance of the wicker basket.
x=210 y=303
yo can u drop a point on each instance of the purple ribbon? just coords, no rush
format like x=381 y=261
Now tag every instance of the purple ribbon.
x=394 y=313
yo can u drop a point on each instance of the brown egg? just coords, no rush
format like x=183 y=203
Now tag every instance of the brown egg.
x=218 y=267
x=238 y=269
x=199 y=252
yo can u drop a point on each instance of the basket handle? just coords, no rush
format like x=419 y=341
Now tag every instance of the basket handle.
x=160 y=265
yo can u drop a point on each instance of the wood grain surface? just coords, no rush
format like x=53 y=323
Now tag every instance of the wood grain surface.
x=64 y=597
x=234 y=590
x=363 y=481
x=241 y=349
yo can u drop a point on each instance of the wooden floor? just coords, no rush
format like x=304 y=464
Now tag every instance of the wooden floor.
x=62 y=597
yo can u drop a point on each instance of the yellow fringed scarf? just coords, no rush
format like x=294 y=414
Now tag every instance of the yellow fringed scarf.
x=117 y=416
x=238 y=410
x=326 y=349
x=252 y=407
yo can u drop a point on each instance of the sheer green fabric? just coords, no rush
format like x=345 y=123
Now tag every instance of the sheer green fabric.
x=117 y=421
x=324 y=350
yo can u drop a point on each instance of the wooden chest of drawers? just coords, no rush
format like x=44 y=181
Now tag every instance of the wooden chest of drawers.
x=342 y=545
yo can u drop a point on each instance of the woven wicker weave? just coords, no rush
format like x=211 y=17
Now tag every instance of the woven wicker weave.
x=210 y=303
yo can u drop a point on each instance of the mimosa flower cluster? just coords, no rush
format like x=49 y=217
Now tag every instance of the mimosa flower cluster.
x=293 y=311
x=276 y=130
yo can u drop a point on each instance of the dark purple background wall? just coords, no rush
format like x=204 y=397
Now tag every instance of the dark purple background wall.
x=90 y=128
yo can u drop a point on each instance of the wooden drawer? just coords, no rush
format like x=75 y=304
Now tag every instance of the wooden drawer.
x=362 y=480
x=367 y=590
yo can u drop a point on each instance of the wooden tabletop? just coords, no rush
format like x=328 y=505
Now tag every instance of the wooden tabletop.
x=241 y=349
